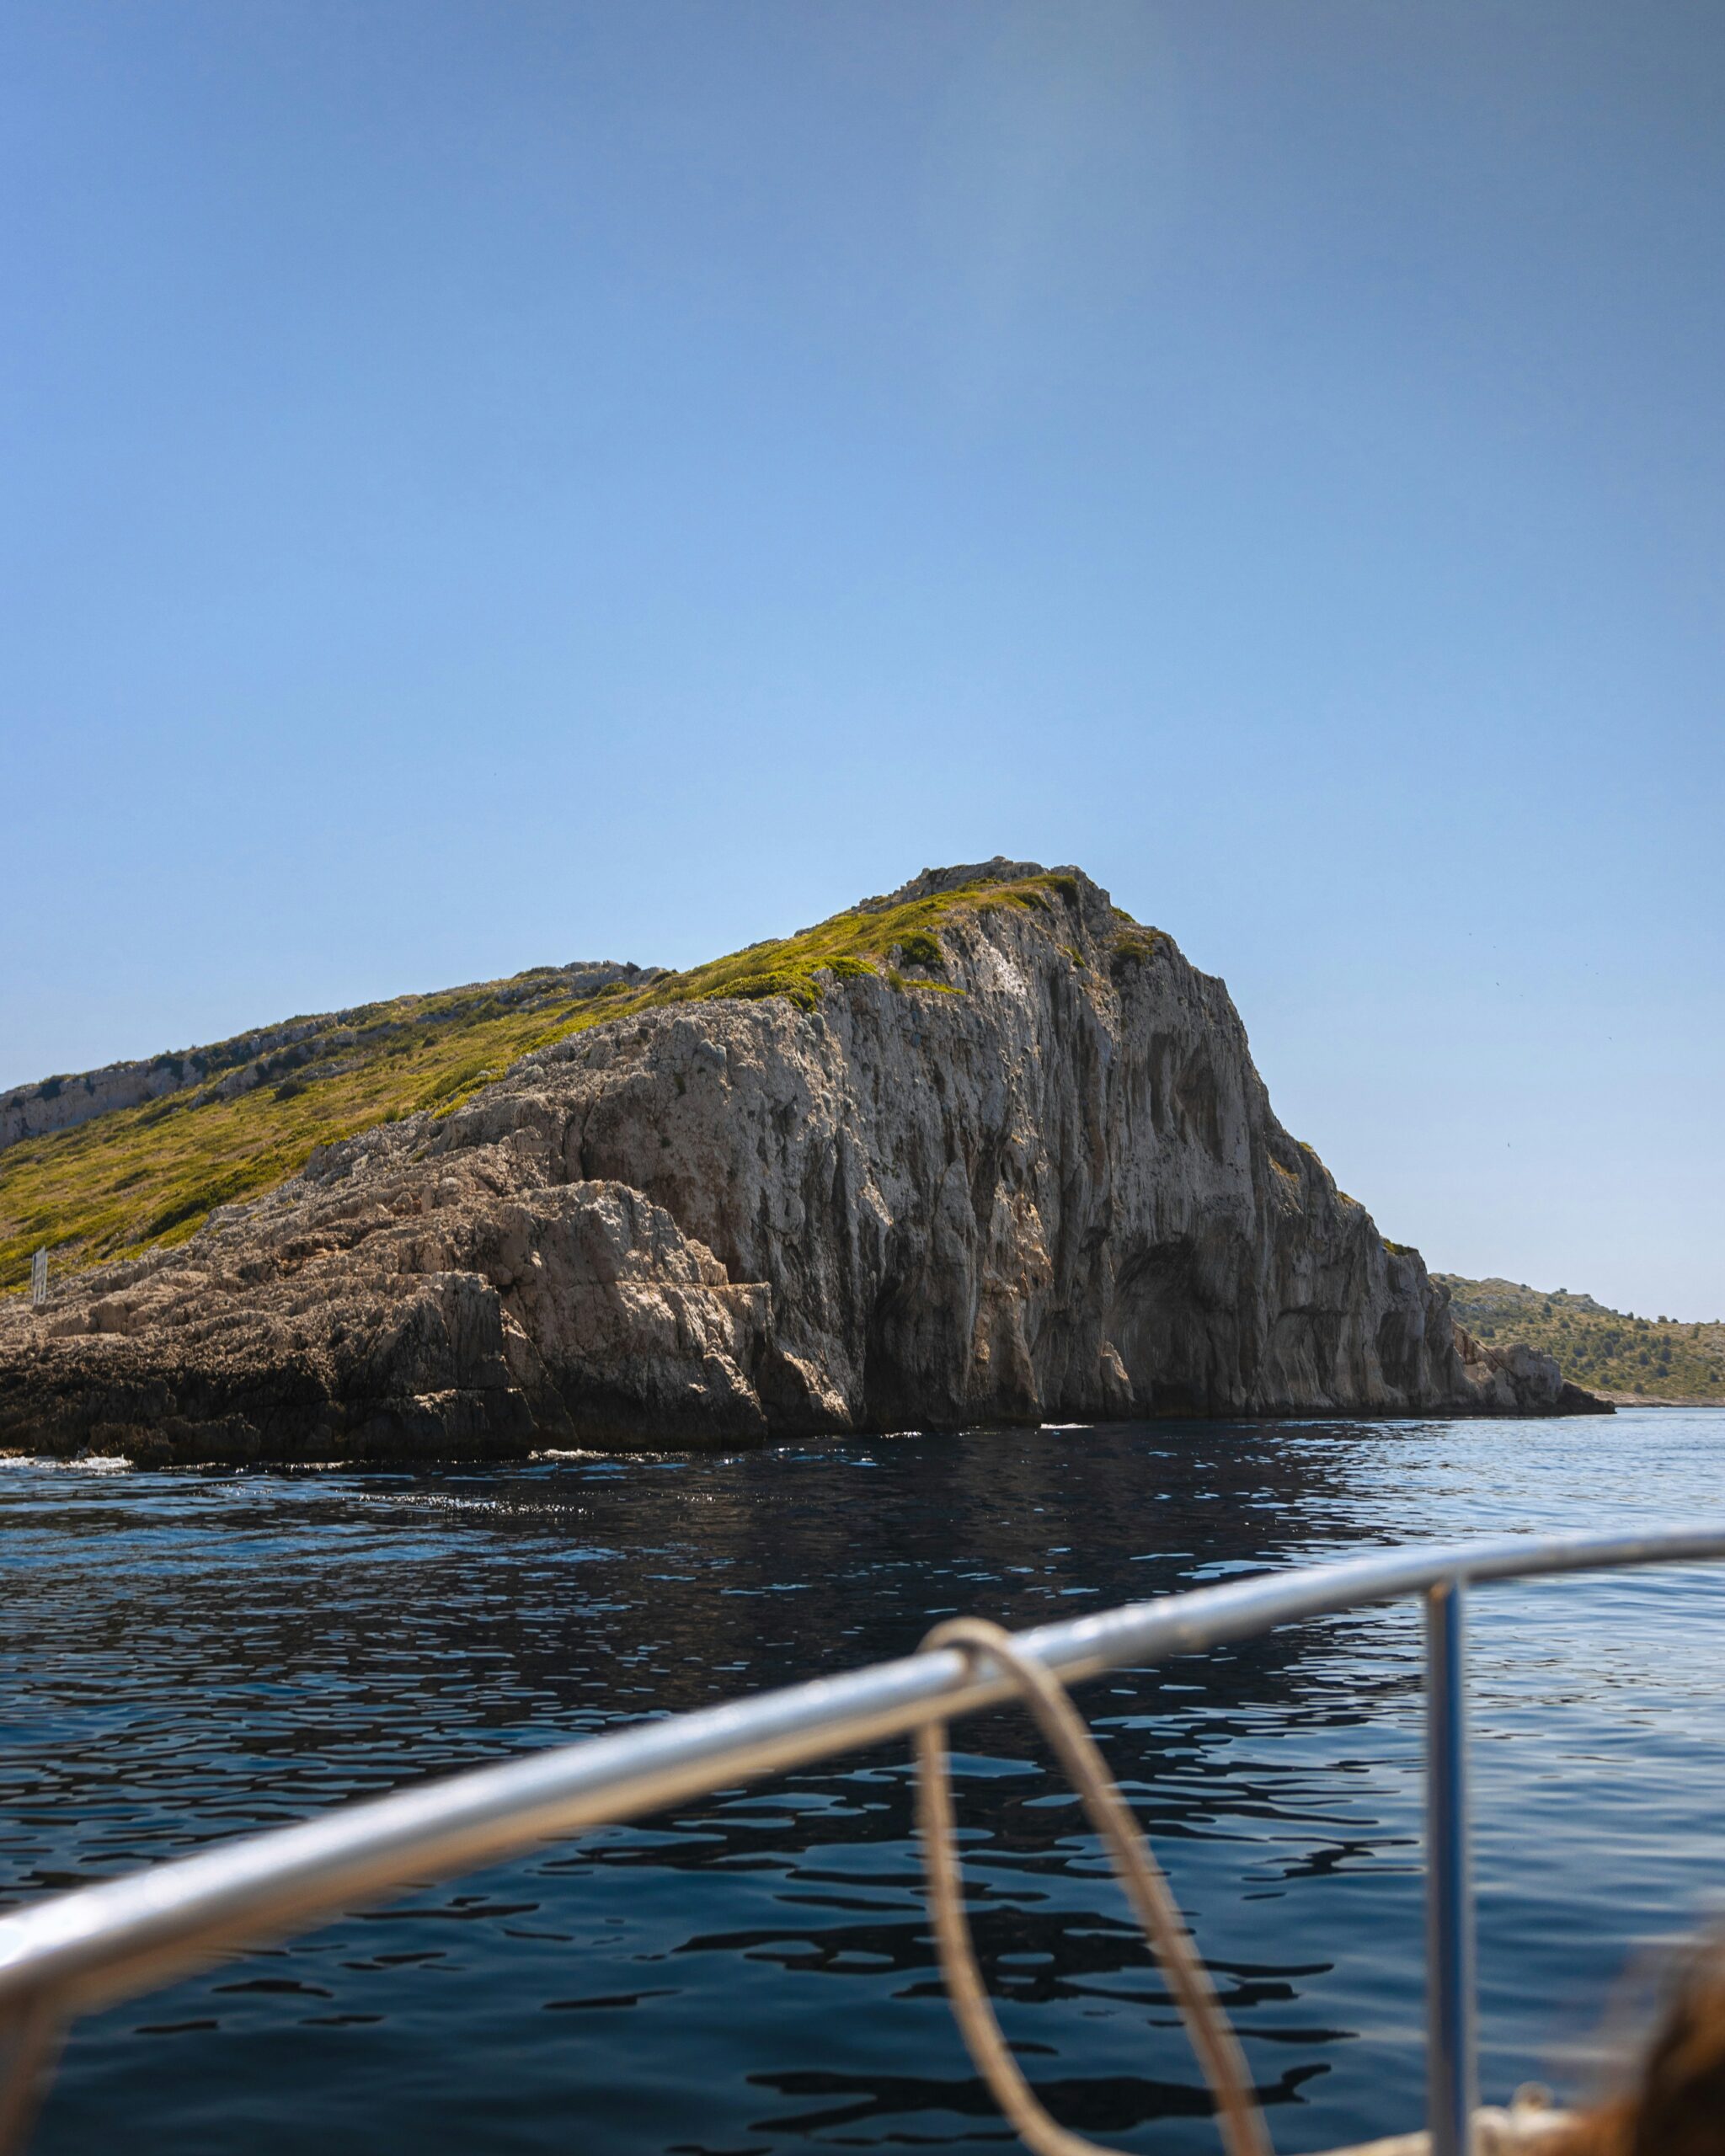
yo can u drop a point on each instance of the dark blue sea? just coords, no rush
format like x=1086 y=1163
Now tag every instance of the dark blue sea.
x=185 y=1656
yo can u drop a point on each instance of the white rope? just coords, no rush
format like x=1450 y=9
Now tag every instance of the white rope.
x=1212 y=2038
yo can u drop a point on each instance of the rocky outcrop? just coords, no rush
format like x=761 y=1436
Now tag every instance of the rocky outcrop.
x=1029 y=1172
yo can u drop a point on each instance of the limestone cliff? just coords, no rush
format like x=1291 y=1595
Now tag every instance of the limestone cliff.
x=1022 y=1170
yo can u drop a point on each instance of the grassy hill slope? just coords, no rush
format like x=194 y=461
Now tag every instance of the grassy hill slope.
x=150 y=1175
x=1606 y=1351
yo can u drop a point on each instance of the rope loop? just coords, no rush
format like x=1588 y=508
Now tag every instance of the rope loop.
x=32 y=2041
x=1188 y=1981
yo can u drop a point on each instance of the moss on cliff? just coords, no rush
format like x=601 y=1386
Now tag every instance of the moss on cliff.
x=802 y=968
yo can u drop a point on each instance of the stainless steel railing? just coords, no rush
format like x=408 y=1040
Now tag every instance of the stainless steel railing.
x=74 y=1952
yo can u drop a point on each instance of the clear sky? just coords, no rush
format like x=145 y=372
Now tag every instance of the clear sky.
x=486 y=485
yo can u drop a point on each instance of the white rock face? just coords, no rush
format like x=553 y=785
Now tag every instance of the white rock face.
x=1041 y=1181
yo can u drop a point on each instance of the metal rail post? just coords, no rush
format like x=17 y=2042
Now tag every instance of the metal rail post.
x=1450 y=2068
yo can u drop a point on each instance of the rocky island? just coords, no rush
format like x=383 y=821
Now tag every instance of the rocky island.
x=983 y=1150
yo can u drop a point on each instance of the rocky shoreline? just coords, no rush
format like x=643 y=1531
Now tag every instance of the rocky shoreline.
x=1024 y=1171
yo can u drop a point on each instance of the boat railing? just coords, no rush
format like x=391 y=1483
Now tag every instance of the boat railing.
x=73 y=1953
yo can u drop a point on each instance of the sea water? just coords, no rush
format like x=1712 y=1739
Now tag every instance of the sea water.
x=191 y=1656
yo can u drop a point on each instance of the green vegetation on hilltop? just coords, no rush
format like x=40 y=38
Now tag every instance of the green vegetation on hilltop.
x=137 y=1176
x=110 y=1187
x=1606 y=1351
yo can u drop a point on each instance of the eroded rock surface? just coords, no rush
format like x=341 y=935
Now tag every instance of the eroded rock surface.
x=1036 y=1177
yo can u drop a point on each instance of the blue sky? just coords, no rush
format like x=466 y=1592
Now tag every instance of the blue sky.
x=487 y=486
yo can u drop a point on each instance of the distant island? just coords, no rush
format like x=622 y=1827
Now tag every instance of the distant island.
x=1632 y=1360
x=985 y=1150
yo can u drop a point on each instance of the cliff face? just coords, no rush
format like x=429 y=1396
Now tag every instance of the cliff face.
x=1028 y=1171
